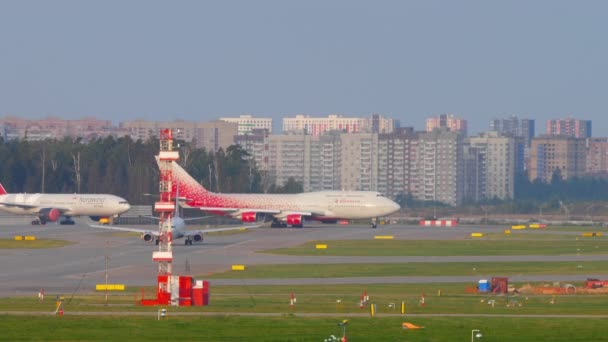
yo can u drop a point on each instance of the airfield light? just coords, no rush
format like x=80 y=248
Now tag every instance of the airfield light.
x=343 y=324
x=475 y=335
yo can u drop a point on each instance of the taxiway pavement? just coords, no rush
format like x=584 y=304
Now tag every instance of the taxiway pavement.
x=78 y=267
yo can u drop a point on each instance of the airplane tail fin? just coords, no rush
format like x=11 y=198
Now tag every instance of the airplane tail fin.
x=187 y=185
x=2 y=190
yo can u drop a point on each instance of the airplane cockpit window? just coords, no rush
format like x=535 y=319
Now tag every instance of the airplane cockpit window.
x=123 y=202
x=379 y=195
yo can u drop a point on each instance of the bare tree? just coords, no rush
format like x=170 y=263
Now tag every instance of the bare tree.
x=43 y=162
x=76 y=159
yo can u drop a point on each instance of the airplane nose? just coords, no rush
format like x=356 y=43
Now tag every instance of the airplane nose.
x=394 y=207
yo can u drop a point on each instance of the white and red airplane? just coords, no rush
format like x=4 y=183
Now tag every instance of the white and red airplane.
x=50 y=207
x=285 y=209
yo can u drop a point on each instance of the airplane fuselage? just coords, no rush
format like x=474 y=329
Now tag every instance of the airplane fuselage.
x=323 y=204
x=71 y=204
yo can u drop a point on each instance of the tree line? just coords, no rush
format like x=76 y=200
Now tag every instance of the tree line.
x=122 y=167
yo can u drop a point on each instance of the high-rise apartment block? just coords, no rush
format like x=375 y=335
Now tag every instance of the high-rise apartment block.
x=55 y=128
x=596 y=156
x=569 y=127
x=490 y=164
x=515 y=127
x=559 y=153
x=247 y=123
x=211 y=135
x=338 y=123
x=439 y=167
x=449 y=121
x=396 y=167
x=359 y=161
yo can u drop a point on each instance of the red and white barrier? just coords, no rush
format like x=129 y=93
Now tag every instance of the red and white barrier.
x=439 y=223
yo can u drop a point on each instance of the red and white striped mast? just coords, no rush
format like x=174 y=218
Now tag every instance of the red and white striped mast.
x=165 y=207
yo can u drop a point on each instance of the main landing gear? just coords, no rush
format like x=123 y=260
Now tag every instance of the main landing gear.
x=67 y=221
x=188 y=241
x=280 y=224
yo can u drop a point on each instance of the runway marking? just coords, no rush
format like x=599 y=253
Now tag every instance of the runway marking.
x=79 y=275
x=223 y=247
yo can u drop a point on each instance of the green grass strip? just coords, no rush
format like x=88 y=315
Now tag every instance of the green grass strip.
x=572 y=246
x=34 y=244
x=482 y=269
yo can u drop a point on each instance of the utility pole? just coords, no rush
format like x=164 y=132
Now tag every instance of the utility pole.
x=107 y=257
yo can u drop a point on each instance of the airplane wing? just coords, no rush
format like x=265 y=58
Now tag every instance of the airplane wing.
x=185 y=219
x=223 y=229
x=126 y=229
x=274 y=212
x=32 y=206
x=230 y=210
x=188 y=232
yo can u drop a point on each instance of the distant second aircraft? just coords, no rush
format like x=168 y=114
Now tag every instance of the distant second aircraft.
x=51 y=207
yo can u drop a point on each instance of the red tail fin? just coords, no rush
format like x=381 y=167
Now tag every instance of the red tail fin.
x=186 y=183
x=2 y=191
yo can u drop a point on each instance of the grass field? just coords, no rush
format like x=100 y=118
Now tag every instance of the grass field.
x=265 y=315
x=505 y=246
x=448 y=298
x=296 y=328
x=38 y=243
x=415 y=269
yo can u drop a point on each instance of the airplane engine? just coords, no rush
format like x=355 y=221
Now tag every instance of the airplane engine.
x=294 y=219
x=248 y=217
x=148 y=237
x=49 y=214
x=197 y=237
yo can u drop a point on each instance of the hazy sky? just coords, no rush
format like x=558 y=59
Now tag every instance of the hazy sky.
x=199 y=60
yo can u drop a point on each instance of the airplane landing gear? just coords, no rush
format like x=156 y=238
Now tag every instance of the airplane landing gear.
x=188 y=241
x=278 y=224
x=39 y=221
x=67 y=220
x=374 y=223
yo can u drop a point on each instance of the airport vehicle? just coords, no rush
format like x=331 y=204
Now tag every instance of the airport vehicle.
x=51 y=207
x=284 y=209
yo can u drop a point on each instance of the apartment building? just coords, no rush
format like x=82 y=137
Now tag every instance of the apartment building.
x=338 y=123
x=289 y=157
x=559 y=153
x=490 y=165
x=439 y=167
x=396 y=155
x=55 y=128
x=256 y=144
x=359 y=161
x=515 y=127
x=211 y=135
x=247 y=123
x=448 y=121
x=569 y=127
x=596 y=158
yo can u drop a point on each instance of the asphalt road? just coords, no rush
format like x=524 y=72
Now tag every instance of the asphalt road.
x=78 y=267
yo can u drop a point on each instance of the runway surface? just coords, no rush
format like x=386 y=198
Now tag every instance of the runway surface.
x=78 y=267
